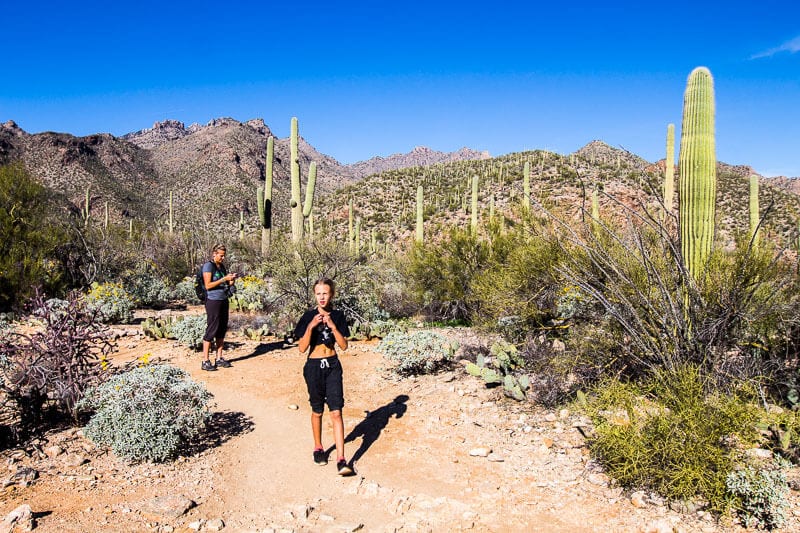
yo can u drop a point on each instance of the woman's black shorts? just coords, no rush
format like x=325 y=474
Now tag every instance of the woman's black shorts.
x=324 y=381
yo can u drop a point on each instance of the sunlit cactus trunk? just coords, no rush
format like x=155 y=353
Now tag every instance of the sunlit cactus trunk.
x=754 y=214
x=300 y=211
x=698 y=173
x=669 y=170
x=420 y=199
x=526 y=186
x=264 y=199
x=474 y=205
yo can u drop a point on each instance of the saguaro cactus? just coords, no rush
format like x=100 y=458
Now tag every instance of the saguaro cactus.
x=474 y=205
x=420 y=199
x=698 y=171
x=669 y=172
x=526 y=186
x=351 y=238
x=754 y=214
x=299 y=211
x=86 y=208
x=264 y=199
x=171 y=219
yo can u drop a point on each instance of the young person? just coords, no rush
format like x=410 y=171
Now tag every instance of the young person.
x=218 y=283
x=319 y=331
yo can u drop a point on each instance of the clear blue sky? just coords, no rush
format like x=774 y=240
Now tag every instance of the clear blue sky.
x=377 y=78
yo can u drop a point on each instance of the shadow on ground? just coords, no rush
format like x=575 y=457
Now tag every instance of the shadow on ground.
x=371 y=427
x=221 y=428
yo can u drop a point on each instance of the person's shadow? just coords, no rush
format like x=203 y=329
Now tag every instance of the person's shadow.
x=370 y=428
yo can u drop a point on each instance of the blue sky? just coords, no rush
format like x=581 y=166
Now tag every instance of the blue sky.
x=374 y=78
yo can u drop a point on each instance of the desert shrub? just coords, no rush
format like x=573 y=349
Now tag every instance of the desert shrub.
x=113 y=303
x=419 y=352
x=760 y=496
x=252 y=294
x=49 y=368
x=670 y=434
x=148 y=413
x=731 y=322
x=515 y=292
x=440 y=274
x=295 y=268
x=184 y=290
x=189 y=330
x=147 y=288
x=30 y=238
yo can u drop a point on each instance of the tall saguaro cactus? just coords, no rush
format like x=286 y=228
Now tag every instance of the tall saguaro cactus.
x=264 y=199
x=474 y=205
x=669 y=171
x=299 y=211
x=526 y=186
x=754 y=214
x=171 y=215
x=420 y=199
x=698 y=171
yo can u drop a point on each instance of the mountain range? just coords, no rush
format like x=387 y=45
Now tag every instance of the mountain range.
x=212 y=172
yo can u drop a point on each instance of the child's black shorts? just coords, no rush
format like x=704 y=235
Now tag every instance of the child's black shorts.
x=324 y=381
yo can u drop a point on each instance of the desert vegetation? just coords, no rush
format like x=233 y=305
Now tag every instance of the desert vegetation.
x=675 y=330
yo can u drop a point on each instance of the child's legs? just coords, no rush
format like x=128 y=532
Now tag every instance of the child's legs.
x=316 y=429
x=338 y=433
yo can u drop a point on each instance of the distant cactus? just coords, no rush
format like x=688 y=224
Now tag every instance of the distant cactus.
x=474 y=204
x=171 y=219
x=420 y=200
x=300 y=211
x=351 y=237
x=526 y=186
x=86 y=210
x=669 y=172
x=754 y=213
x=241 y=225
x=698 y=173
x=264 y=199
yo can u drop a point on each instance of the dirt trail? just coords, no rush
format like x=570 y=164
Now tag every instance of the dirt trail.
x=411 y=440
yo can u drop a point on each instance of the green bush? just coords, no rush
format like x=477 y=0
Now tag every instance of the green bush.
x=31 y=239
x=671 y=435
x=419 y=352
x=113 y=303
x=148 y=413
x=189 y=330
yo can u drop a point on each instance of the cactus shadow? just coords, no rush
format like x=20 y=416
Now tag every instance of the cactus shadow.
x=376 y=421
x=221 y=427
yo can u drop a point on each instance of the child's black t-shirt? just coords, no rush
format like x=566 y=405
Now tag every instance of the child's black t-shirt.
x=318 y=335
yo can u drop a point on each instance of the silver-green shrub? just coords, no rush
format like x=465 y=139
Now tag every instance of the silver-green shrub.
x=113 y=303
x=184 y=290
x=760 y=496
x=189 y=330
x=419 y=352
x=148 y=289
x=148 y=413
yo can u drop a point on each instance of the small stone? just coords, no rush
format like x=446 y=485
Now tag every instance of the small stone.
x=53 y=451
x=551 y=417
x=598 y=479
x=638 y=500
x=564 y=413
x=20 y=519
x=480 y=451
x=294 y=406
x=196 y=525
x=215 y=525
x=495 y=458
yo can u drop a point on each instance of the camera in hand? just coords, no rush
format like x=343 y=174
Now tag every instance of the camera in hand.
x=326 y=336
